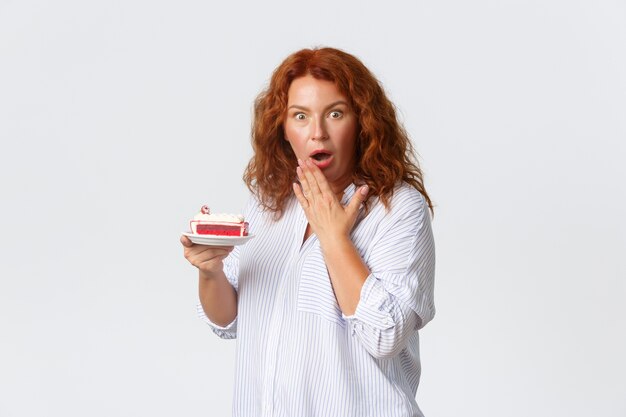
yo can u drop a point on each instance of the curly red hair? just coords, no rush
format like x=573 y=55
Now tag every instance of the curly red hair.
x=385 y=154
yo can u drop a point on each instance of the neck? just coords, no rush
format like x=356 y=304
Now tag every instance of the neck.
x=339 y=186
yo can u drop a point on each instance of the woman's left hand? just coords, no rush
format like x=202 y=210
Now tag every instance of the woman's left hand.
x=327 y=217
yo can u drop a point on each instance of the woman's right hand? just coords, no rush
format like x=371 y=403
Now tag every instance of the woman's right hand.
x=208 y=259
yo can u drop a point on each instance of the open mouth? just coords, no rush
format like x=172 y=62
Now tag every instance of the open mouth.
x=320 y=155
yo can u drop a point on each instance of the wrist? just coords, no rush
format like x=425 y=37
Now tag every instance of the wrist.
x=336 y=243
x=205 y=275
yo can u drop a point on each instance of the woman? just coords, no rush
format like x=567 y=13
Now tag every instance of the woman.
x=327 y=300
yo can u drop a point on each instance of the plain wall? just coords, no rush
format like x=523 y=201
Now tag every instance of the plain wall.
x=119 y=119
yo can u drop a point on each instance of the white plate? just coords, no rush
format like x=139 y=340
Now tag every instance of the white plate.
x=217 y=240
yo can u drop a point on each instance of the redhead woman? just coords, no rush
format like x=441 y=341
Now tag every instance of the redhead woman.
x=326 y=302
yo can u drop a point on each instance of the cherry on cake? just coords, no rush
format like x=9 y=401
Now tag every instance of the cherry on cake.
x=219 y=224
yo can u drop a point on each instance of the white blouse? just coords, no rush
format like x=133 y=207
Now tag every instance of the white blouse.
x=297 y=354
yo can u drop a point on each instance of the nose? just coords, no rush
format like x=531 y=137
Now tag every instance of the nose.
x=319 y=131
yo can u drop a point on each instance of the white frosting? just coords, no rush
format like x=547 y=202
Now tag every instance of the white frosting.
x=219 y=217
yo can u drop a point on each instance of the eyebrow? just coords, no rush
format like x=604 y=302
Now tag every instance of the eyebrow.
x=336 y=103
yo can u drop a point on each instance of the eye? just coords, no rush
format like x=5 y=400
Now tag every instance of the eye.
x=299 y=116
x=336 y=114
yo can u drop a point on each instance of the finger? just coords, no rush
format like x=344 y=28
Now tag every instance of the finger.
x=227 y=249
x=304 y=182
x=308 y=172
x=208 y=254
x=300 y=196
x=357 y=199
x=199 y=262
x=206 y=251
x=186 y=241
x=320 y=179
x=217 y=250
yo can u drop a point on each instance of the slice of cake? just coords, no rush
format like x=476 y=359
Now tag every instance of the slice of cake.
x=221 y=224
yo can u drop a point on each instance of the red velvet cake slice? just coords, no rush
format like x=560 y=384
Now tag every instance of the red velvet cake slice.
x=221 y=224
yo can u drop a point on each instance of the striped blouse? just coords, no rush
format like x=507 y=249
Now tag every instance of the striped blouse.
x=297 y=355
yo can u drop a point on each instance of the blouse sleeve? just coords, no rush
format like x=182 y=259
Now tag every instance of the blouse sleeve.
x=397 y=297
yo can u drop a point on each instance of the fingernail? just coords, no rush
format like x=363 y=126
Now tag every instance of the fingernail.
x=364 y=190
x=299 y=171
x=299 y=161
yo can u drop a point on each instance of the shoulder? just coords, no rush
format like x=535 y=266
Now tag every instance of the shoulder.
x=406 y=202
x=406 y=197
x=255 y=211
x=407 y=209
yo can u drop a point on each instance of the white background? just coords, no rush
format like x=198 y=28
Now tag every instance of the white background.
x=119 y=119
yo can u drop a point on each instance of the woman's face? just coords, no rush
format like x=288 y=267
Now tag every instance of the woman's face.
x=321 y=125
